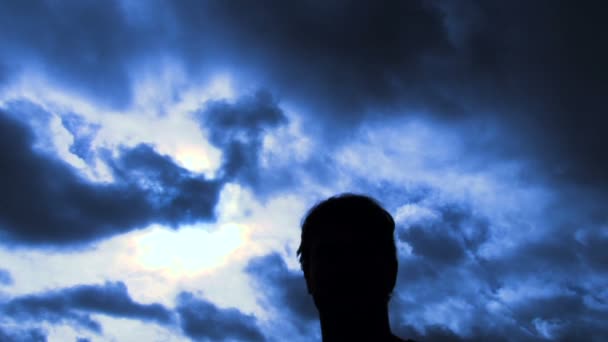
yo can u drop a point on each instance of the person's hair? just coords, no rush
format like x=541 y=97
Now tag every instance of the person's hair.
x=348 y=212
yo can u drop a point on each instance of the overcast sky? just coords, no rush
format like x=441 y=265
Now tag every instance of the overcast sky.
x=156 y=158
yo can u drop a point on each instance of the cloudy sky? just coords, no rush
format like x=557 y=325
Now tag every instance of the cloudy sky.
x=156 y=158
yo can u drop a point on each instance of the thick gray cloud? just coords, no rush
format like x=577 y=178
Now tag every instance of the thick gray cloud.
x=23 y=335
x=82 y=46
x=281 y=288
x=540 y=76
x=195 y=317
x=343 y=55
x=237 y=128
x=46 y=202
x=75 y=304
x=446 y=240
x=203 y=321
x=535 y=68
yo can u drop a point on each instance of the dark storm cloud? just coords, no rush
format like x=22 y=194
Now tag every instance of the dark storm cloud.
x=172 y=192
x=551 y=250
x=5 y=277
x=343 y=55
x=203 y=321
x=83 y=45
x=197 y=318
x=445 y=239
x=75 y=304
x=444 y=248
x=534 y=67
x=282 y=289
x=23 y=335
x=547 y=67
x=45 y=202
x=238 y=129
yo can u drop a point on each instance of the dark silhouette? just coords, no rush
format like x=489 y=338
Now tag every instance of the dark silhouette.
x=349 y=259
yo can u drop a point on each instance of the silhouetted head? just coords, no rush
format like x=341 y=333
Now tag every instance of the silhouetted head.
x=348 y=253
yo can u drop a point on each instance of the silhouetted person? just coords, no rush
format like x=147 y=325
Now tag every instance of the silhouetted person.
x=349 y=259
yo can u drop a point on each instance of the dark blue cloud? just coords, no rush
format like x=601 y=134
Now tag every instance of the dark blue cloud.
x=196 y=317
x=542 y=89
x=75 y=305
x=548 y=66
x=341 y=55
x=83 y=46
x=5 y=277
x=172 y=192
x=46 y=202
x=238 y=129
x=22 y=335
x=203 y=321
x=447 y=238
x=540 y=77
x=283 y=290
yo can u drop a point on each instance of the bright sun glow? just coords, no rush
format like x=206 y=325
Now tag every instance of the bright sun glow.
x=189 y=250
x=192 y=157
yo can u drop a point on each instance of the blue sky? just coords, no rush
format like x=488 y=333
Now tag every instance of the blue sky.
x=156 y=159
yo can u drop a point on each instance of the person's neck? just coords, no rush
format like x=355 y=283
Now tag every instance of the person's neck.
x=370 y=323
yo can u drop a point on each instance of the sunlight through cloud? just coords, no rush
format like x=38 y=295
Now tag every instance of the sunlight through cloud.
x=189 y=250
